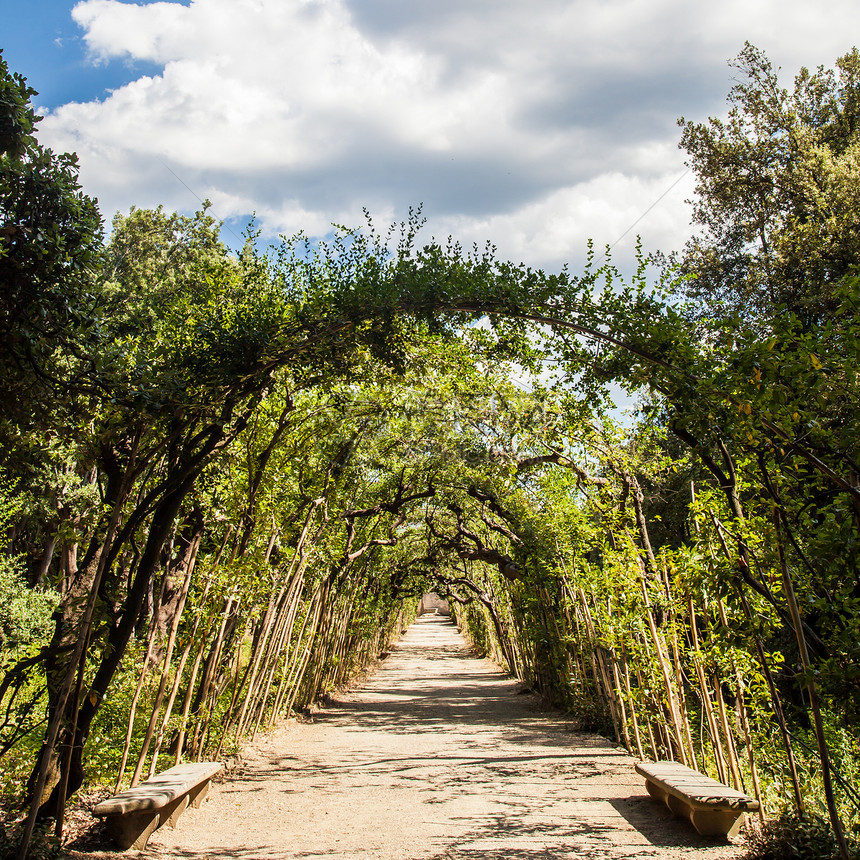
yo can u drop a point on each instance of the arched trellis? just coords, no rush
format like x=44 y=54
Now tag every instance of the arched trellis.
x=317 y=323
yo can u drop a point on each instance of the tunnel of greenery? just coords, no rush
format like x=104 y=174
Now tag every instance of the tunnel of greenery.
x=227 y=479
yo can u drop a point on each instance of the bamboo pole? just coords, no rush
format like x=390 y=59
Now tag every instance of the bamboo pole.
x=705 y=695
x=239 y=679
x=774 y=693
x=665 y=670
x=285 y=619
x=577 y=666
x=206 y=682
x=679 y=671
x=812 y=690
x=291 y=654
x=217 y=689
x=628 y=690
x=279 y=644
x=297 y=677
x=731 y=749
x=652 y=740
x=150 y=642
x=189 y=695
x=743 y=718
x=270 y=628
x=168 y=656
x=177 y=682
x=617 y=680
x=603 y=673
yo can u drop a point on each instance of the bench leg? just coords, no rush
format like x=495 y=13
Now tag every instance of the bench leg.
x=170 y=814
x=656 y=791
x=678 y=807
x=197 y=795
x=717 y=822
x=132 y=831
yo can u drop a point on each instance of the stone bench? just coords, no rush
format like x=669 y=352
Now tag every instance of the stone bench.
x=134 y=814
x=713 y=809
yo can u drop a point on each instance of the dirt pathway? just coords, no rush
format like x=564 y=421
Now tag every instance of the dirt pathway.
x=435 y=757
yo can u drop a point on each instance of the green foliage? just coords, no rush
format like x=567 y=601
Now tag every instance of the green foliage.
x=50 y=244
x=794 y=837
x=24 y=614
x=777 y=186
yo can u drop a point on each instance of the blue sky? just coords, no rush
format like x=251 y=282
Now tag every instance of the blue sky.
x=42 y=42
x=535 y=125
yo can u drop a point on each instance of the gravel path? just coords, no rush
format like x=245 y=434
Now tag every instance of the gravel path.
x=437 y=756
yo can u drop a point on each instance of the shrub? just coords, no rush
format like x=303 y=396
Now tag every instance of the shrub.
x=795 y=836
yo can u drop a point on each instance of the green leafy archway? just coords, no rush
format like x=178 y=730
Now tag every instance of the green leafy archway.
x=235 y=475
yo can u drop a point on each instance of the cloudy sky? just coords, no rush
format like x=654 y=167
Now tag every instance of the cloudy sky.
x=536 y=125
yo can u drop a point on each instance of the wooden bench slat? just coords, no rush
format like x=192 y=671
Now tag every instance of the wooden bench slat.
x=160 y=791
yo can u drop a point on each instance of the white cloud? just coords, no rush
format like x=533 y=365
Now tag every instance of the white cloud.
x=113 y=29
x=557 y=228
x=535 y=125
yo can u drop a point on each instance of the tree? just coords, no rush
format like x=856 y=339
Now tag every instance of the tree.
x=50 y=242
x=777 y=186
